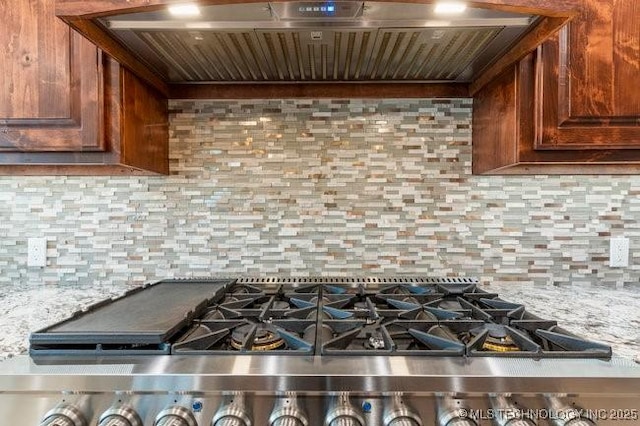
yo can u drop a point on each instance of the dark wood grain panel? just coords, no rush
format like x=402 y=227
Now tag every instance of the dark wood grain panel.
x=107 y=163
x=145 y=126
x=35 y=62
x=525 y=45
x=32 y=56
x=494 y=124
x=601 y=50
x=503 y=145
x=589 y=67
x=54 y=63
x=589 y=77
x=50 y=81
x=317 y=90
x=626 y=53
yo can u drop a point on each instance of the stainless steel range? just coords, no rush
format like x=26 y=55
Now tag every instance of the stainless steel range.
x=315 y=351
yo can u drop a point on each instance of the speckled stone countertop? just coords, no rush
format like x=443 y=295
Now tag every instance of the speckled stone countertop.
x=603 y=314
x=31 y=308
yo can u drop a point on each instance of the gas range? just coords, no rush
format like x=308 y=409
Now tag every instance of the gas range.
x=394 y=351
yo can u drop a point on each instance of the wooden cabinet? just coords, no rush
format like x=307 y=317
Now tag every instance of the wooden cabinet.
x=62 y=102
x=572 y=106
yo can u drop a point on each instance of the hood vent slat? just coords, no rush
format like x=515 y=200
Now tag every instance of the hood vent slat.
x=347 y=55
x=367 y=41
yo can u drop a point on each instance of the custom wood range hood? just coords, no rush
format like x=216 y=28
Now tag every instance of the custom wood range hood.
x=223 y=49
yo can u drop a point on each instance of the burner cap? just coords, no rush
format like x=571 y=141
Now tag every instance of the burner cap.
x=496 y=331
x=451 y=305
x=280 y=305
x=265 y=338
x=498 y=339
x=375 y=342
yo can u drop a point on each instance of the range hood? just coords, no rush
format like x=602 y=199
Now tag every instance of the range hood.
x=356 y=41
x=314 y=42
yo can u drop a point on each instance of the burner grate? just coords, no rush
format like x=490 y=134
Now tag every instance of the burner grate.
x=351 y=316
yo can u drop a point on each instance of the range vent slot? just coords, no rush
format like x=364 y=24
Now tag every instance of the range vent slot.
x=357 y=280
x=317 y=54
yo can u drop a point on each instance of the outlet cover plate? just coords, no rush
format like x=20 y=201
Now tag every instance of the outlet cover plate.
x=37 y=252
x=619 y=252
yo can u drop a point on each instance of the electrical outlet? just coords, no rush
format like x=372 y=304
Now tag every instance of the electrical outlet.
x=619 y=252
x=37 y=252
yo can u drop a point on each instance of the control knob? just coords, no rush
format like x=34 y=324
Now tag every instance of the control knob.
x=232 y=412
x=287 y=421
x=345 y=421
x=452 y=413
x=230 y=421
x=287 y=412
x=175 y=415
x=508 y=413
x=403 y=421
x=342 y=413
x=566 y=415
x=396 y=413
x=64 y=415
x=121 y=415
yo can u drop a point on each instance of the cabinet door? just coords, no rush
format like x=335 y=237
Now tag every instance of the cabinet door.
x=50 y=98
x=589 y=80
x=570 y=107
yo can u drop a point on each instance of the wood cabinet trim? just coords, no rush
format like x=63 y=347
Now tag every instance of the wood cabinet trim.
x=99 y=8
x=317 y=90
x=570 y=168
x=87 y=169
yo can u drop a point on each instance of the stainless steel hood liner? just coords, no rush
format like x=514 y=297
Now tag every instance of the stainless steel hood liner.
x=280 y=42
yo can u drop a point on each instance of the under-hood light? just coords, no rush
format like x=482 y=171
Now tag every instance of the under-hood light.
x=449 y=8
x=189 y=9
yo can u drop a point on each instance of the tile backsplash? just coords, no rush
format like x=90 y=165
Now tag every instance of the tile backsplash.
x=320 y=187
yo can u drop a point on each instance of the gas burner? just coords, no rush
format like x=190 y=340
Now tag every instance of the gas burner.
x=497 y=340
x=264 y=339
x=375 y=342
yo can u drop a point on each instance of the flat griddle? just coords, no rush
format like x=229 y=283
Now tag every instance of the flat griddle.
x=141 y=321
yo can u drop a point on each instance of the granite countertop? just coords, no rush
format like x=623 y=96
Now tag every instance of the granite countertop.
x=604 y=314
x=31 y=308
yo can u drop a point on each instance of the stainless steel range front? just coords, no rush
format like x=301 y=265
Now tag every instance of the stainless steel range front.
x=315 y=351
